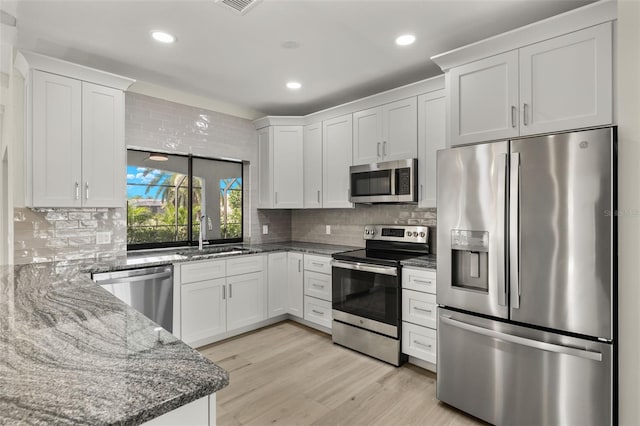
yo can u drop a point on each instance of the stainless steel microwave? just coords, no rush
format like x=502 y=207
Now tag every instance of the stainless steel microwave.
x=386 y=182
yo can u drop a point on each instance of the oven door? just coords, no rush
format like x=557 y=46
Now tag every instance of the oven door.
x=367 y=296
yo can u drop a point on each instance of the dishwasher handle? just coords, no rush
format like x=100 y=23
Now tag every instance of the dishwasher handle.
x=135 y=278
x=131 y=275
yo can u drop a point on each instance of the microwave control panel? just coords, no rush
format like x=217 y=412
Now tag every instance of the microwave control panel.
x=403 y=181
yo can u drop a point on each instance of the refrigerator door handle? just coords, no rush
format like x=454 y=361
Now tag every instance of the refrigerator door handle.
x=514 y=229
x=501 y=261
x=523 y=341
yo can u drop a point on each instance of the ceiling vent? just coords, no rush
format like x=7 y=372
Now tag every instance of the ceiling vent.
x=239 y=6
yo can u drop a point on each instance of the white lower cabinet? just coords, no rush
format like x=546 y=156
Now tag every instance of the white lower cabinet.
x=213 y=304
x=295 y=284
x=419 y=315
x=201 y=412
x=317 y=311
x=245 y=300
x=317 y=290
x=277 y=283
x=419 y=342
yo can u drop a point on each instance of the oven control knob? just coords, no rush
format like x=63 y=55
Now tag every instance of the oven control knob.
x=422 y=235
x=415 y=234
x=408 y=233
x=366 y=232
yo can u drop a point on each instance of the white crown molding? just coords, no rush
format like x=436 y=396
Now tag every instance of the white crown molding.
x=26 y=60
x=573 y=20
x=402 y=92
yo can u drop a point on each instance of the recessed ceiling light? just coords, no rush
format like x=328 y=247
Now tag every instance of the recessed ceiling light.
x=294 y=85
x=405 y=40
x=290 y=44
x=157 y=157
x=163 y=37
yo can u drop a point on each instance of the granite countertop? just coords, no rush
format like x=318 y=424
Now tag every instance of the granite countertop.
x=428 y=262
x=71 y=353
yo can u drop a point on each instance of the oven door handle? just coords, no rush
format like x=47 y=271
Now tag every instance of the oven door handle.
x=366 y=267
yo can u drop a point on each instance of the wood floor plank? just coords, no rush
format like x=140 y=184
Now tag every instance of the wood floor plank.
x=289 y=374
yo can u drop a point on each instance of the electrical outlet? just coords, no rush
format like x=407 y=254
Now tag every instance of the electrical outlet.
x=265 y=229
x=328 y=230
x=103 y=237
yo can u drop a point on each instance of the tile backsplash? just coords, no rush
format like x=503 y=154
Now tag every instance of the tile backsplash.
x=56 y=234
x=347 y=225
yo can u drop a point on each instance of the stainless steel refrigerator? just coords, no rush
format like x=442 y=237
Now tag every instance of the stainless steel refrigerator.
x=526 y=279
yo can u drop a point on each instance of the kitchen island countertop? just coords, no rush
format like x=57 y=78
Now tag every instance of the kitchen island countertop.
x=71 y=353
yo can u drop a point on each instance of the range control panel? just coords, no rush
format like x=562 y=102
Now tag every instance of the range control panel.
x=402 y=233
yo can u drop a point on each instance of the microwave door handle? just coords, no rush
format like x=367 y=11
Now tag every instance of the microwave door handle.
x=393 y=189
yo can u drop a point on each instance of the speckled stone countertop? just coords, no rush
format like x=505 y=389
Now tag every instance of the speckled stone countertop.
x=428 y=262
x=71 y=353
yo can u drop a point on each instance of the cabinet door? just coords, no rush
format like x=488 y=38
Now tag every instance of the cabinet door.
x=56 y=148
x=265 y=166
x=295 y=284
x=566 y=82
x=312 y=166
x=245 y=301
x=336 y=159
x=287 y=167
x=204 y=310
x=484 y=99
x=367 y=136
x=400 y=130
x=277 y=284
x=431 y=138
x=103 y=147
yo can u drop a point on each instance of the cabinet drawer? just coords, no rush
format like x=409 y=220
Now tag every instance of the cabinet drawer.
x=199 y=271
x=245 y=265
x=419 y=308
x=317 y=285
x=317 y=311
x=320 y=264
x=419 y=342
x=419 y=280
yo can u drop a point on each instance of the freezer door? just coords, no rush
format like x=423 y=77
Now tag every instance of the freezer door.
x=471 y=201
x=561 y=232
x=511 y=375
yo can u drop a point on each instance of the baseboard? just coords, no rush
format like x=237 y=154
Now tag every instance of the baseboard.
x=422 y=364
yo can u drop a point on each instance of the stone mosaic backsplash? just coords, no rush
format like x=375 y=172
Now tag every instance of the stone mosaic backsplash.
x=347 y=225
x=58 y=234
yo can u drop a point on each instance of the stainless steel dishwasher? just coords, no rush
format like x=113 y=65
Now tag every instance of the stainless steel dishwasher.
x=148 y=290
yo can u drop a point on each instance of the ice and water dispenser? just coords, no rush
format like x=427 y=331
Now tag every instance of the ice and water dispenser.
x=470 y=259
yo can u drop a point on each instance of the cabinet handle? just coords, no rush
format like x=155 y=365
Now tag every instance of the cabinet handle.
x=224 y=292
x=86 y=190
x=230 y=291
x=421 y=186
x=317 y=312
x=317 y=285
x=422 y=310
x=317 y=264
x=525 y=114
x=378 y=149
x=299 y=265
x=417 y=342
x=513 y=116
x=384 y=148
x=318 y=196
x=276 y=201
x=423 y=282
x=77 y=191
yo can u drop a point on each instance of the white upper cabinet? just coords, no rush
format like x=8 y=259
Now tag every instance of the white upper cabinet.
x=103 y=149
x=337 y=135
x=75 y=152
x=312 y=166
x=384 y=133
x=287 y=167
x=280 y=158
x=484 y=99
x=566 y=82
x=562 y=83
x=431 y=137
x=56 y=148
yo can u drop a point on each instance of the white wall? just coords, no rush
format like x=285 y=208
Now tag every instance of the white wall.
x=628 y=108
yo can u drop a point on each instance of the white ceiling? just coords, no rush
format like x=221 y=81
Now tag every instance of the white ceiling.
x=346 y=51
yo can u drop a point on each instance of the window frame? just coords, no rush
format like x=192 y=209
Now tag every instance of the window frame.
x=189 y=242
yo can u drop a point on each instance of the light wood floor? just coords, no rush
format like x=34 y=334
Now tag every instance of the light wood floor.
x=289 y=374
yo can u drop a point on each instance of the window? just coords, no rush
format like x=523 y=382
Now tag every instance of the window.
x=169 y=196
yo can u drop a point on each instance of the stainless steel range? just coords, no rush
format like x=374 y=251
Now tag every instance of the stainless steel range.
x=366 y=290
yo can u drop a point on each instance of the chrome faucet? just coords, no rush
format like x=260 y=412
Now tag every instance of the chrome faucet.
x=201 y=234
